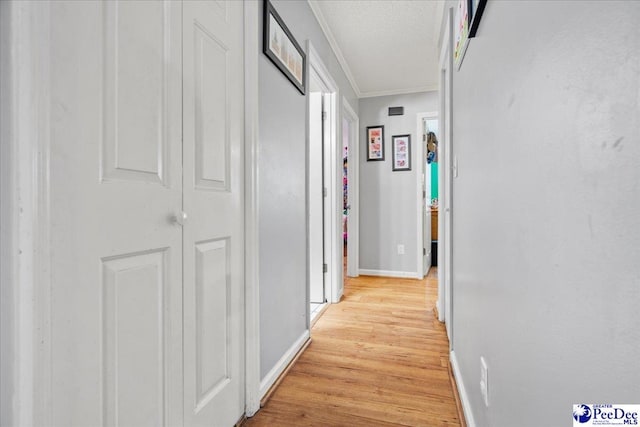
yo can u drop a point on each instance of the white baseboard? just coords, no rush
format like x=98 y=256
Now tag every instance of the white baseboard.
x=462 y=391
x=391 y=273
x=336 y=298
x=282 y=364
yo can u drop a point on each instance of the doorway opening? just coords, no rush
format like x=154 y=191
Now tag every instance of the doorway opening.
x=323 y=181
x=317 y=190
x=428 y=131
x=430 y=218
x=350 y=223
x=346 y=207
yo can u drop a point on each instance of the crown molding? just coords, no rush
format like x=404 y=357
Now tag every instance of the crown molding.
x=429 y=88
x=315 y=8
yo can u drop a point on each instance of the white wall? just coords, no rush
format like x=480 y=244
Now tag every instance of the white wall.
x=388 y=199
x=546 y=234
x=282 y=189
x=6 y=223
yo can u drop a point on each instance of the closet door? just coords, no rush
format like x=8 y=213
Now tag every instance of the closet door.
x=213 y=111
x=116 y=184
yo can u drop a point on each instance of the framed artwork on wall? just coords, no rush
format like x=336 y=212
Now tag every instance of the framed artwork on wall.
x=282 y=48
x=476 y=7
x=375 y=143
x=461 y=31
x=401 y=151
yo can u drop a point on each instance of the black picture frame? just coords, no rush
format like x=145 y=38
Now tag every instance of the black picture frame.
x=476 y=8
x=374 y=143
x=282 y=48
x=401 y=152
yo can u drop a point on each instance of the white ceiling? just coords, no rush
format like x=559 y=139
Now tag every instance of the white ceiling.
x=385 y=47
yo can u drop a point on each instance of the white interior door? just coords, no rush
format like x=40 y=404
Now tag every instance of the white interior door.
x=315 y=191
x=115 y=167
x=213 y=102
x=330 y=208
x=332 y=175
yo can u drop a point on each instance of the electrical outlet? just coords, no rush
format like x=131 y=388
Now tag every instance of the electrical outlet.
x=484 y=381
x=400 y=249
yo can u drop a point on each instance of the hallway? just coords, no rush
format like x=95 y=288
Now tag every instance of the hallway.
x=378 y=358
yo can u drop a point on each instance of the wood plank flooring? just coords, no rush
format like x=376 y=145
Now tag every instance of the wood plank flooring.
x=378 y=358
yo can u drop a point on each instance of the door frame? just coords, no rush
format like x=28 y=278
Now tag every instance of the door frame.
x=333 y=182
x=353 y=192
x=445 y=183
x=252 y=238
x=25 y=247
x=420 y=176
x=25 y=333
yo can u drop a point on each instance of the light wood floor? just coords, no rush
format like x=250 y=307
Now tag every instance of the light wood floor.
x=378 y=358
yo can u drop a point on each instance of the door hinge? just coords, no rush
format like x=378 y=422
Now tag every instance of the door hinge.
x=424 y=251
x=324 y=268
x=424 y=194
x=324 y=115
x=324 y=192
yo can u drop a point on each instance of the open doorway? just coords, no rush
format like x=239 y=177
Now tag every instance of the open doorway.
x=350 y=190
x=316 y=191
x=346 y=207
x=324 y=179
x=427 y=132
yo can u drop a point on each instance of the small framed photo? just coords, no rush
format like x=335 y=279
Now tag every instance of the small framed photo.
x=476 y=7
x=375 y=143
x=401 y=149
x=461 y=32
x=282 y=48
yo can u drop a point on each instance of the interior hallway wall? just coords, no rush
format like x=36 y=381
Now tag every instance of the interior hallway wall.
x=388 y=216
x=282 y=217
x=7 y=222
x=546 y=130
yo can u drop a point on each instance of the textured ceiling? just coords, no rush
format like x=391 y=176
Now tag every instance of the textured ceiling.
x=385 y=46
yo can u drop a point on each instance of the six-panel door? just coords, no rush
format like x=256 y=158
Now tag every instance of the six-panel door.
x=127 y=348
x=213 y=105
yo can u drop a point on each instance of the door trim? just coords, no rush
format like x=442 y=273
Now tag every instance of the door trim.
x=25 y=335
x=445 y=308
x=353 y=220
x=252 y=238
x=334 y=184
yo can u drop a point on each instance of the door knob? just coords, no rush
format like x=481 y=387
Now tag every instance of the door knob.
x=179 y=219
